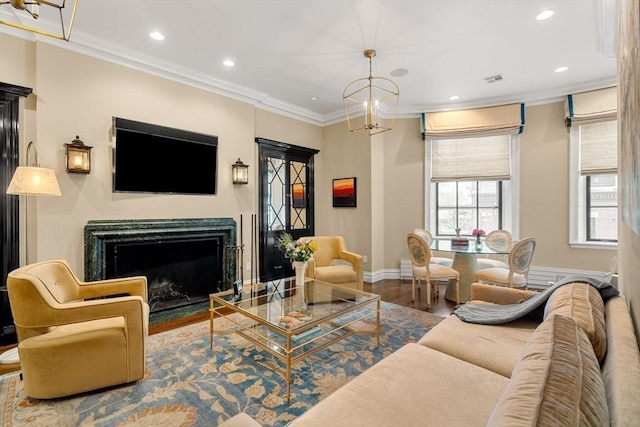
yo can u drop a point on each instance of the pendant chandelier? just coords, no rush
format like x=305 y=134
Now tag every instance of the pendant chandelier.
x=370 y=100
x=29 y=11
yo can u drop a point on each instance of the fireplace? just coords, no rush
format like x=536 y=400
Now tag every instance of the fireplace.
x=184 y=260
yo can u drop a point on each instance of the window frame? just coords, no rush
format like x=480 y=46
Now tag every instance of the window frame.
x=477 y=206
x=578 y=200
x=510 y=191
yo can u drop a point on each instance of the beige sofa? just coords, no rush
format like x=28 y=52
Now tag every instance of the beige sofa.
x=581 y=366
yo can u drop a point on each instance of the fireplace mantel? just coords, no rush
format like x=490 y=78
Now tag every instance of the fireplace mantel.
x=100 y=233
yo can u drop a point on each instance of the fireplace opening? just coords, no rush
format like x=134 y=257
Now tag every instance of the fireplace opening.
x=179 y=272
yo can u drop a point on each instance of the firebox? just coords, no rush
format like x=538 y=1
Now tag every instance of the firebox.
x=184 y=260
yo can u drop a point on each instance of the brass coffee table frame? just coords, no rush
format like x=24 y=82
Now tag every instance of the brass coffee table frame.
x=258 y=325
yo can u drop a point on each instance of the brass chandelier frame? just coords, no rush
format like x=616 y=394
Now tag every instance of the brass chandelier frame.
x=368 y=95
x=32 y=7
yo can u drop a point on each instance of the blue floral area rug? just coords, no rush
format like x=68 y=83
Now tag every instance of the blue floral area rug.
x=189 y=384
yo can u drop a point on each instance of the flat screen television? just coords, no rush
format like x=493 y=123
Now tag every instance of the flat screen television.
x=156 y=159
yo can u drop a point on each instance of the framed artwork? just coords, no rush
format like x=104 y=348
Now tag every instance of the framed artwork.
x=344 y=193
x=299 y=199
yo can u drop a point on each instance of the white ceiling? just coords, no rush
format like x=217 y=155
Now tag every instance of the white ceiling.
x=288 y=51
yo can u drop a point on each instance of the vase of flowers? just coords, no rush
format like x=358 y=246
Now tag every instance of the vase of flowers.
x=478 y=234
x=298 y=251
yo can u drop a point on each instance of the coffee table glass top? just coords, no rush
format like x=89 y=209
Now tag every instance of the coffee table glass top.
x=292 y=309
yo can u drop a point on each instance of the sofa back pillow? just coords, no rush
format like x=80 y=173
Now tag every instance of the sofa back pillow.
x=583 y=303
x=556 y=381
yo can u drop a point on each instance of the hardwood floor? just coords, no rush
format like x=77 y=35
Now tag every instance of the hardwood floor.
x=391 y=290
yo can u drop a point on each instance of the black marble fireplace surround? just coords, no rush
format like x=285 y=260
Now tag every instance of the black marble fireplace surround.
x=184 y=260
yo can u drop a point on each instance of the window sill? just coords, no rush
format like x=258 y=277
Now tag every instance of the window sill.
x=594 y=245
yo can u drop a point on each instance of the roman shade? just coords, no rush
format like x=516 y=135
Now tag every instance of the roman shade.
x=498 y=120
x=599 y=148
x=483 y=158
x=591 y=107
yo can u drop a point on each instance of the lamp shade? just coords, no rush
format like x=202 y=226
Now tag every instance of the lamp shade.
x=34 y=181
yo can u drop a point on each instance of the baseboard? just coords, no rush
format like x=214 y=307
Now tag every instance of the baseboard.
x=539 y=276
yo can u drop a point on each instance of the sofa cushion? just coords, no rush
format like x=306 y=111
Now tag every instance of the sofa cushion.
x=556 y=382
x=621 y=366
x=495 y=347
x=414 y=386
x=583 y=303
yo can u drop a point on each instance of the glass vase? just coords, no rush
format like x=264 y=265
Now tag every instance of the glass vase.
x=478 y=243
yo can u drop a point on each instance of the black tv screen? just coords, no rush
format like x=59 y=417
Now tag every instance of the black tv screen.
x=157 y=159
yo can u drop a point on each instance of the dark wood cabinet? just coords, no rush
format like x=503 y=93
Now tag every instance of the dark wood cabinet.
x=9 y=205
x=286 y=202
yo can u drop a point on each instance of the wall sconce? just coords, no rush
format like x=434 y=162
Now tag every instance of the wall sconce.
x=78 y=156
x=240 y=172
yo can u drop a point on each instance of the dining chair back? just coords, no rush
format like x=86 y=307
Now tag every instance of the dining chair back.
x=423 y=269
x=428 y=237
x=516 y=275
x=499 y=241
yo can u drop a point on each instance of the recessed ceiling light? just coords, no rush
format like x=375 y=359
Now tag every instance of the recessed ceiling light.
x=228 y=63
x=399 y=72
x=156 y=35
x=561 y=69
x=453 y=98
x=545 y=14
x=315 y=98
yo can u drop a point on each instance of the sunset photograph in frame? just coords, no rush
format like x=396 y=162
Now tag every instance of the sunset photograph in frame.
x=344 y=193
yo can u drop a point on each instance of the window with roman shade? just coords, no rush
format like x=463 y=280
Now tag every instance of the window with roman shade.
x=487 y=121
x=591 y=107
x=469 y=167
x=598 y=148
x=592 y=119
x=484 y=158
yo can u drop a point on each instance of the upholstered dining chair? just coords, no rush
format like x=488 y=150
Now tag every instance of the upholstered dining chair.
x=428 y=237
x=499 y=241
x=517 y=274
x=429 y=272
x=76 y=336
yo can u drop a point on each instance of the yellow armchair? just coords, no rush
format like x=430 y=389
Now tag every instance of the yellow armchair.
x=334 y=264
x=76 y=336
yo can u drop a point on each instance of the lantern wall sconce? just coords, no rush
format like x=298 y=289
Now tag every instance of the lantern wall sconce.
x=240 y=172
x=78 y=157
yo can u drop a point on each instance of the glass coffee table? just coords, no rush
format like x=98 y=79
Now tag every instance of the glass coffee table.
x=292 y=323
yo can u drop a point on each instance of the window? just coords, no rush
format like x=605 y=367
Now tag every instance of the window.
x=468 y=205
x=594 y=185
x=475 y=193
x=602 y=207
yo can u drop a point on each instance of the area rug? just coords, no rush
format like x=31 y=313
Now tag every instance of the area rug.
x=189 y=384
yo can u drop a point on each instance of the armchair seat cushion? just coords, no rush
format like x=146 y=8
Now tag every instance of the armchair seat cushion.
x=336 y=274
x=45 y=357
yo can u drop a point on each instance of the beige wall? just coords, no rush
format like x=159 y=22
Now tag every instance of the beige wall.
x=344 y=155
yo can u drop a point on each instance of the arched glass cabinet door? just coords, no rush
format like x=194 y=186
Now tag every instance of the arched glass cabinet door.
x=286 y=202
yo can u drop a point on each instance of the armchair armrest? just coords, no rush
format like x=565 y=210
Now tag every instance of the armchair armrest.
x=136 y=285
x=130 y=307
x=354 y=259
x=498 y=294
x=311 y=268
